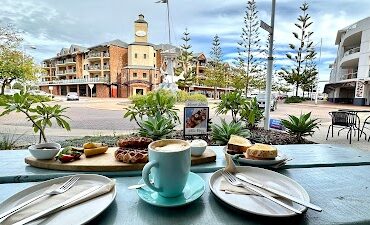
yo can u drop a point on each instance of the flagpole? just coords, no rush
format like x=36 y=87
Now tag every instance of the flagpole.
x=168 y=21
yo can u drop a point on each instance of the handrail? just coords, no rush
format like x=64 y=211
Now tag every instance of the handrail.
x=352 y=51
x=82 y=80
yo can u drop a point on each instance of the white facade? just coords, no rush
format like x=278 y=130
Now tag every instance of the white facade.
x=350 y=76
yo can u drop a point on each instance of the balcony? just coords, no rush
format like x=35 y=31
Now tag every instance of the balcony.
x=351 y=51
x=94 y=68
x=94 y=55
x=60 y=72
x=106 y=55
x=352 y=75
x=47 y=66
x=76 y=81
x=106 y=67
x=66 y=62
x=70 y=61
x=70 y=71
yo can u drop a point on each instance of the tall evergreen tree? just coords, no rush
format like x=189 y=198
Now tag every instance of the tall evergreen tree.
x=249 y=47
x=216 y=70
x=185 y=62
x=302 y=54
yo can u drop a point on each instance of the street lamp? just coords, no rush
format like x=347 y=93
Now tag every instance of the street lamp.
x=24 y=49
x=269 y=67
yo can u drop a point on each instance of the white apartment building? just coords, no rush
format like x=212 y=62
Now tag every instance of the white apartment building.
x=350 y=75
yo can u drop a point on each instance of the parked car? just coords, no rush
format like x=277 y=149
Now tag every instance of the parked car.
x=41 y=93
x=72 y=96
x=11 y=91
x=261 y=99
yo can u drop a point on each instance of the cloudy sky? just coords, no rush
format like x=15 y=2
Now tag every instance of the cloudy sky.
x=50 y=24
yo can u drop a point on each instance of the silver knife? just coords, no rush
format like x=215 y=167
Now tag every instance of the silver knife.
x=277 y=192
x=59 y=206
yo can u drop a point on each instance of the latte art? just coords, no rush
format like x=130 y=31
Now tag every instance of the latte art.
x=171 y=147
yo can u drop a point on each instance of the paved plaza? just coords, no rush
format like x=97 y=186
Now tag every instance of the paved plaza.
x=90 y=117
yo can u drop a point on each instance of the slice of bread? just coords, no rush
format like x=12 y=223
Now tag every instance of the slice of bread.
x=261 y=151
x=238 y=144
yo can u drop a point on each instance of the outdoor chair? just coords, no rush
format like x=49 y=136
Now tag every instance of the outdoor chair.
x=366 y=122
x=344 y=120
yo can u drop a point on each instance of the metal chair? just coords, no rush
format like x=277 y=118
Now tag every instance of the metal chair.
x=366 y=122
x=344 y=120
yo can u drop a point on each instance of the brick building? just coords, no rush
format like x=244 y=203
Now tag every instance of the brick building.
x=112 y=69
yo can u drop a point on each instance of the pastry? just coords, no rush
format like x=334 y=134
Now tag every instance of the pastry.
x=133 y=150
x=261 y=151
x=134 y=142
x=238 y=144
x=129 y=155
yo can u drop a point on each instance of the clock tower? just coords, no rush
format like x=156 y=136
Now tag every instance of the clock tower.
x=141 y=29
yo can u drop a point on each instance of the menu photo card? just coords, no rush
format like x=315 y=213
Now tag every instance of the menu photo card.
x=196 y=115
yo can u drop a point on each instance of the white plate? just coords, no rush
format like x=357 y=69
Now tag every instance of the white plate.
x=259 y=162
x=256 y=204
x=78 y=214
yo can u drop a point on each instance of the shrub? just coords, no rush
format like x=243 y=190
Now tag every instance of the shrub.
x=197 y=97
x=8 y=141
x=251 y=113
x=300 y=126
x=232 y=101
x=182 y=96
x=294 y=99
x=221 y=133
x=156 y=127
x=161 y=101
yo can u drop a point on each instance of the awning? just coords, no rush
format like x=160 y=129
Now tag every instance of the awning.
x=332 y=86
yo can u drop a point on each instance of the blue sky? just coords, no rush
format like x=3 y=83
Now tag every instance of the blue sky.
x=50 y=24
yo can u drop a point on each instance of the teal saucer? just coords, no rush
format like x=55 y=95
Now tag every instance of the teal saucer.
x=194 y=188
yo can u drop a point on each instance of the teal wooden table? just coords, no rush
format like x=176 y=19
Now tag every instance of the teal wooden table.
x=343 y=193
x=304 y=156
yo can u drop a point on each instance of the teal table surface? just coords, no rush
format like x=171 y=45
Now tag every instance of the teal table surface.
x=342 y=192
x=14 y=169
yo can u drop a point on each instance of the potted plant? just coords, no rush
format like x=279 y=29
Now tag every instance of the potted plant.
x=41 y=116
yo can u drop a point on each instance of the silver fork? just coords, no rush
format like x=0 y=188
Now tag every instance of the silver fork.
x=233 y=180
x=61 y=189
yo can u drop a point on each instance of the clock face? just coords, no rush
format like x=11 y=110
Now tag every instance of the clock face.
x=140 y=33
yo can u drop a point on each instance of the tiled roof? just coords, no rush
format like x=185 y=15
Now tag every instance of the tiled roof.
x=115 y=42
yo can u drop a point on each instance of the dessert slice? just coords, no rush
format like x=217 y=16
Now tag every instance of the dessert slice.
x=238 y=144
x=261 y=151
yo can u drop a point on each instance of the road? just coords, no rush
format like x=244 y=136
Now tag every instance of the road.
x=105 y=117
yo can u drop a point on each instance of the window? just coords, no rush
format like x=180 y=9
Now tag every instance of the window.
x=156 y=76
x=135 y=55
x=144 y=56
x=154 y=54
x=144 y=75
x=135 y=75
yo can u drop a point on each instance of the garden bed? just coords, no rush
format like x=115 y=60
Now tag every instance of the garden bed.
x=258 y=135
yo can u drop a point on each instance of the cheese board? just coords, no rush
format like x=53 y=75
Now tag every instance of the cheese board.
x=106 y=162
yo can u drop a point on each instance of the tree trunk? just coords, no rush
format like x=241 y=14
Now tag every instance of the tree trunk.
x=296 y=90
x=214 y=92
x=2 y=88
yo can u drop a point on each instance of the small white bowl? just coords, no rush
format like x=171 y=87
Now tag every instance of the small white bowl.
x=197 y=147
x=45 y=150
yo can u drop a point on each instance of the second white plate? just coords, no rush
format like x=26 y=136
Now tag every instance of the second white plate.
x=256 y=204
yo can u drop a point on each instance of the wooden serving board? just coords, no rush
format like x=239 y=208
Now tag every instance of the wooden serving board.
x=106 y=162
